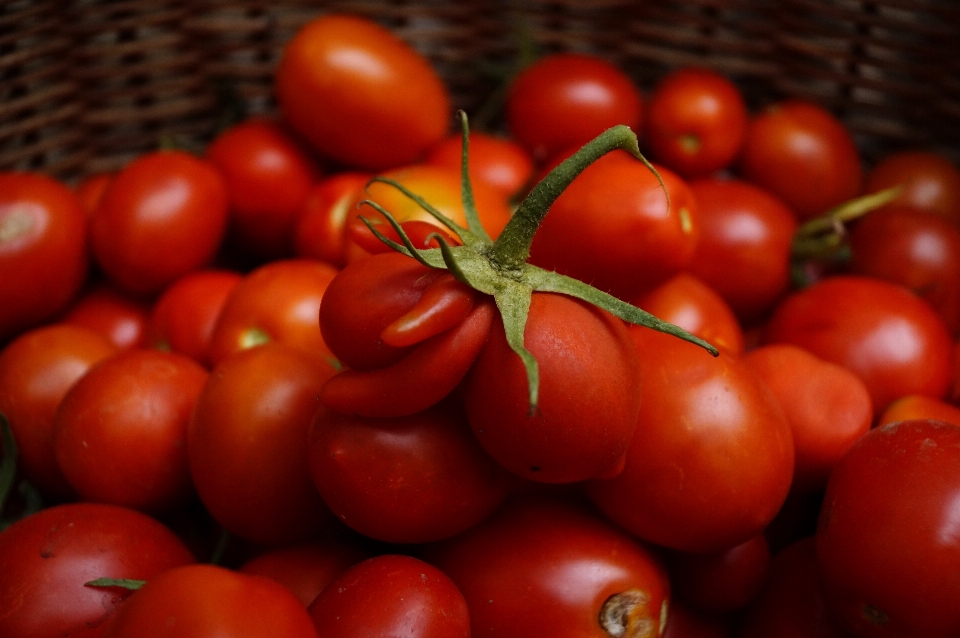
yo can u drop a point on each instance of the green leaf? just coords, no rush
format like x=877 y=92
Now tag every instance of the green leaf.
x=125 y=583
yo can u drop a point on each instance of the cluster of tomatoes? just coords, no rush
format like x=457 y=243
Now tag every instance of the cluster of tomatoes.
x=328 y=380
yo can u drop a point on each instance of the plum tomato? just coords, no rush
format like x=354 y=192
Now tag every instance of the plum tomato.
x=712 y=457
x=47 y=557
x=496 y=162
x=90 y=190
x=566 y=99
x=917 y=406
x=319 y=231
x=359 y=94
x=36 y=371
x=696 y=121
x=893 y=340
x=545 y=567
x=804 y=155
x=43 y=250
x=120 y=432
x=391 y=595
x=887 y=548
x=162 y=216
x=931 y=182
x=120 y=317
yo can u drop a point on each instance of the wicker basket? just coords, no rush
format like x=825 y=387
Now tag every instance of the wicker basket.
x=87 y=84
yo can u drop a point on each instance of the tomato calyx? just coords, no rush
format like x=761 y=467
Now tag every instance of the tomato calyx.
x=500 y=269
x=129 y=584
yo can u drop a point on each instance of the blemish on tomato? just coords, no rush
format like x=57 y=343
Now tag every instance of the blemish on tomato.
x=686 y=224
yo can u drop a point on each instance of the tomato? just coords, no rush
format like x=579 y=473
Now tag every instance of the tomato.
x=496 y=162
x=916 y=406
x=278 y=301
x=566 y=99
x=887 y=550
x=542 y=567
x=359 y=94
x=612 y=227
x=914 y=248
x=804 y=155
x=391 y=595
x=886 y=335
x=36 y=371
x=306 y=568
x=90 y=190
x=696 y=121
x=827 y=406
x=43 y=250
x=120 y=432
x=410 y=479
x=183 y=317
x=685 y=301
x=268 y=179
x=113 y=313
x=744 y=247
x=246 y=444
x=589 y=393
x=711 y=461
x=319 y=230
x=198 y=601
x=931 y=182
x=162 y=216
x=47 y=557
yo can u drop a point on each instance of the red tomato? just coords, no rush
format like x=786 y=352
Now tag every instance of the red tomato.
x=547 y=568
x=804 y=155
x=36 y=371
x=696 y=121
x=90 y=190
x=612 y=227
x=268 y=180
x=201 y=601
x=917 y=406
x=743 y=251
x=391 y=595
x=827 y=406
x=588 y=399
x=319 y=231
x=47 y=557
x=566 y=99
x=409 y=479
x=711 y=461
x=685 y=301
x=888 y=553
x=931 y=182
x=247 y=440
x=495 y=162
x=120 y=432
x=162 y=216
x=118 y=316
x=913 y=248
x=885 y=334
x=278 y=301
x=361 y=95
x=183 y=317
x=43 y=250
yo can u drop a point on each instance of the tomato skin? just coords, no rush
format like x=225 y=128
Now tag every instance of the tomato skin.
x=612 y=227
x=36 y=371
x=711 y=460
x=696 y=121
x=916 y=406
x=544 y=567
x=162 y=216
x=744 y=247
x=120 y=432
x=391 y=595
x=930 y=181
x=47 y=557
x=804 y=155
x=255 y=412
x=198 y=601
x=885 y=334
x=411 y=479
x=319 y=231
x=43 y=250
x=886 y=552
x=359 y=94
x=566 y=99
x=588 y=399
x=827 y=406
x=107 y=310
x=496 y=162
x=90 y=190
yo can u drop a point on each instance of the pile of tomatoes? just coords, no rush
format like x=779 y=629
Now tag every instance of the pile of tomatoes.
x=324 y=379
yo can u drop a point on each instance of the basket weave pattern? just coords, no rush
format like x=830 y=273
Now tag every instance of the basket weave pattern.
x=87 y=84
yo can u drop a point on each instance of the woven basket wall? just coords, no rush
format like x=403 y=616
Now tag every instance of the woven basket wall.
x=87 y=84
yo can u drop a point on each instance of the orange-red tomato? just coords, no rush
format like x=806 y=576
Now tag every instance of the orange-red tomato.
x=116 y=315
x=917 y=406
x=319 y=232
x=498 y=162
x=931 y=182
